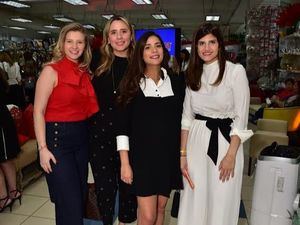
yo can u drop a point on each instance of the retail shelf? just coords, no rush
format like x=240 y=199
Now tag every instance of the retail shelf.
x=288 y=71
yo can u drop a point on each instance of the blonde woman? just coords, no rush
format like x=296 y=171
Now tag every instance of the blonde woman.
x=64 y=100
x=116 y=51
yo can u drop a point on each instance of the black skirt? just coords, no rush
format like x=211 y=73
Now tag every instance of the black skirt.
x=9 y=145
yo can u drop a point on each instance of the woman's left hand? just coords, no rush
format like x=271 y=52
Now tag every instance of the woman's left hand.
x=126 y=174
x=226 y=168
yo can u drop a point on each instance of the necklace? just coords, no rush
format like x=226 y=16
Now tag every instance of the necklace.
x=113 y=80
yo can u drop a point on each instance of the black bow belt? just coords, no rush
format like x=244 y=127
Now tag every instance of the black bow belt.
x=214 y=125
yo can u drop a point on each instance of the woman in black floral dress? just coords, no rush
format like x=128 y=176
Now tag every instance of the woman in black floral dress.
x=116 y=50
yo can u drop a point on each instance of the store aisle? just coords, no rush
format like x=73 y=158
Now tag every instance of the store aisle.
x=36 y=208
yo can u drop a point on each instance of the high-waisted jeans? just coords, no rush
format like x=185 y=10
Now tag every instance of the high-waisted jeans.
x=67 y=183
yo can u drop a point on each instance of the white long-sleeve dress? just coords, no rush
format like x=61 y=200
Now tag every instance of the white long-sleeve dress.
x=213 y=202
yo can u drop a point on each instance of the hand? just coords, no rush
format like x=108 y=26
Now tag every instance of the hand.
x=226 y=168
x=183 y=165
x=45 y=157
x=126 y=174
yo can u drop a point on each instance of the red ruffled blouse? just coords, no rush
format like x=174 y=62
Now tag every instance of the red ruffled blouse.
x=73 y=99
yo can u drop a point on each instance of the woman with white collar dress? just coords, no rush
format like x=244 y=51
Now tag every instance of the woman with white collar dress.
x=214 y=126
x=149 y=128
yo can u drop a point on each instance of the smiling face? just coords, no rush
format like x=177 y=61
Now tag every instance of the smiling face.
x=208 y=48
x=119 y=37
x=153 y=52
x=74 y=45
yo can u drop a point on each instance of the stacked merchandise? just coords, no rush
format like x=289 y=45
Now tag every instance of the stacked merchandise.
x=289 y=44
x=290 y=52
x=262 y=42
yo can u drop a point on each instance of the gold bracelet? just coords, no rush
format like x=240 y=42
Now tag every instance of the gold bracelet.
x=42 y=147
x=182 y=152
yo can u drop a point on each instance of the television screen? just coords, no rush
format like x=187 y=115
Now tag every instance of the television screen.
x=170 y=37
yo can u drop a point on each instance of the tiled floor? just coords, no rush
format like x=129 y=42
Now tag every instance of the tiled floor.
x=36 y=208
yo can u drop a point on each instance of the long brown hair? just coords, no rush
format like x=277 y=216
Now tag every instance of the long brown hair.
x=130 y=83
x=107 y=55
x=195 y=68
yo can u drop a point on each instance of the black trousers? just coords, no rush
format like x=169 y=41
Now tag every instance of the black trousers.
x=105 y=165
x=68 y=141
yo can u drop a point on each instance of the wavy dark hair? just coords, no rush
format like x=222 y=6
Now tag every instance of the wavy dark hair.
x=130 y=83
x=195 y=68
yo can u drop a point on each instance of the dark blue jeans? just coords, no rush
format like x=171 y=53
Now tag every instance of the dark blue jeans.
x=68 y=142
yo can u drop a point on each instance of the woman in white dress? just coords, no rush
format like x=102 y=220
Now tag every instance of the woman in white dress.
x=213 y=128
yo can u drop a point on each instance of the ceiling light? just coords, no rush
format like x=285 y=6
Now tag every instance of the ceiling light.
x=51 y=26
x=22 y=20
x=15 y=4
x=168 y=24
x=142 y=2
x=76 y=2
x=43 y=32
x=107 y=16
x=62 y=18
x=88 y=26
x=18 y=28
x=160 y=16
x=212 y=18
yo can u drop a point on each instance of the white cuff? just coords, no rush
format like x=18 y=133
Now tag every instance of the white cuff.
x=122 y=142
x=243 y=134
x=10 y=106
x=185 y=124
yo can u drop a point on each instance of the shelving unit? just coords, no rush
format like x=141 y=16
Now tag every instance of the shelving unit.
x=261 y=40
x=289 y=50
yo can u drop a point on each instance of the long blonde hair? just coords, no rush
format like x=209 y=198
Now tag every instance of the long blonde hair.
x=58 y=51
x=107 y=56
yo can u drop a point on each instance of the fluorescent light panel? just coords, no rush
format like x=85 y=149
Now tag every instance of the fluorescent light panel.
x=22 y=20
x=62 y=18
x=212 y=18
x=76 y=2
x=88 y=26
x=51 y=26
x=107 y=16
x=168 y=24
x=160 y=16
x=18 y=28
x=15 y=4
x=142 y=2
x=43 y=32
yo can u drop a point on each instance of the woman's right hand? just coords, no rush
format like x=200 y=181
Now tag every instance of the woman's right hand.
x=183 y=164
x=126 y=174
x=45 y=157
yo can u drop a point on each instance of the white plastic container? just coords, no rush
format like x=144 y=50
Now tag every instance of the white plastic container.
x=275 y=188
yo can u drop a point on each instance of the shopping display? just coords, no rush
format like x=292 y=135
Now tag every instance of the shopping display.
x=261 y=40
